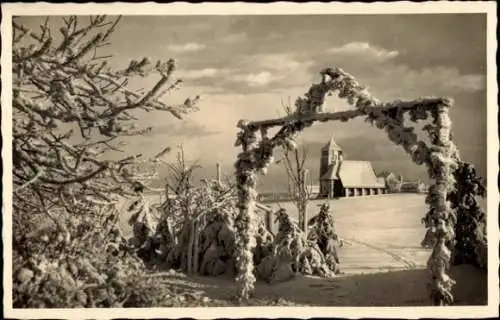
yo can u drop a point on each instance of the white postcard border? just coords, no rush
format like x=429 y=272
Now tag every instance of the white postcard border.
x=238 y=8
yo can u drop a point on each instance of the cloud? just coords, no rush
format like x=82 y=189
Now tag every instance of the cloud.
x=389 y=78
x=284 y=64
x=233 y=38
x=274 y=71
x=277 y=61
x=187 y=47
x=450 y=79
x=184 y=129
x=220 y=113
x=364 y=49
x=399 y=81
x=200 y=73
x=247 y=73
x=257 y=79
x=250 y=72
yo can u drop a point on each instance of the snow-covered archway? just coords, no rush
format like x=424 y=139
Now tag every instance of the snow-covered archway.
x=441 y=159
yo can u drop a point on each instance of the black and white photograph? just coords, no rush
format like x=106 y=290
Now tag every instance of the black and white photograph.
x=208 y=160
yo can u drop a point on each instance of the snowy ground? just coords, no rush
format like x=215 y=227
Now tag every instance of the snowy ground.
x=381 y=233
x=382 y=262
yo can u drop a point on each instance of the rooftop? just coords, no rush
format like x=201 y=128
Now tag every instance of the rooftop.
x=355 y=174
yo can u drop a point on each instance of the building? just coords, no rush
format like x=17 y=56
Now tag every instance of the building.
x=414 y=187
x=346 y=178
x=393 y=182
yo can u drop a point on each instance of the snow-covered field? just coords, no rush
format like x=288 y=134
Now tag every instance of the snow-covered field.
x=382 y=261
x=381 y=233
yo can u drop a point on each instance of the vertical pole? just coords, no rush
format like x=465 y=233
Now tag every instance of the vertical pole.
x=218 y=172
x=269 y=221
x=304 y=202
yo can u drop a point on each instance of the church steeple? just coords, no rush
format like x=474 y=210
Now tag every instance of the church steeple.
x=331 y=156
x=331 y=145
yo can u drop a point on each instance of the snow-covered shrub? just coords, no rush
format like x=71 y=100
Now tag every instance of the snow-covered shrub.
x=292 y=254
x=470 y=228
x=323 y=234
x=95 y=269
x=208 y=227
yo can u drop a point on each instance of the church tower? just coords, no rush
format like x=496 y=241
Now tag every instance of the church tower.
x=331 y=155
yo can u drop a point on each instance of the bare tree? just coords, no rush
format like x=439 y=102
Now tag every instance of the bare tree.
x=182 y=188
x=299 y=184
x=181 y=173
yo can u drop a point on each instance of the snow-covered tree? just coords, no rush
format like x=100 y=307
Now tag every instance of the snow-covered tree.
x=70 y=109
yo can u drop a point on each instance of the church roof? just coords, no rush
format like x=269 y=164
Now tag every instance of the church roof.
x=354 y=174
x=358 y=174
x=331 y=145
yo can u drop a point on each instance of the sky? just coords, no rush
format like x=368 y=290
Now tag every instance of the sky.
x=246 y=67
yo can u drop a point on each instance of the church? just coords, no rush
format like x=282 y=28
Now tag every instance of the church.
x=346 y=178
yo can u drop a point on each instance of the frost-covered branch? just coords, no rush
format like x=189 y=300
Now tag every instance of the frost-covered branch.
x=60 y=81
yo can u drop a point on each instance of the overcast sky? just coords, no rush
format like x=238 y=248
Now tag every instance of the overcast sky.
x=242 y=66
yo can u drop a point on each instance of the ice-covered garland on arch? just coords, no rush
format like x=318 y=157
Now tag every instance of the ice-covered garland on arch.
x=441 y=159
x=255 y=157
